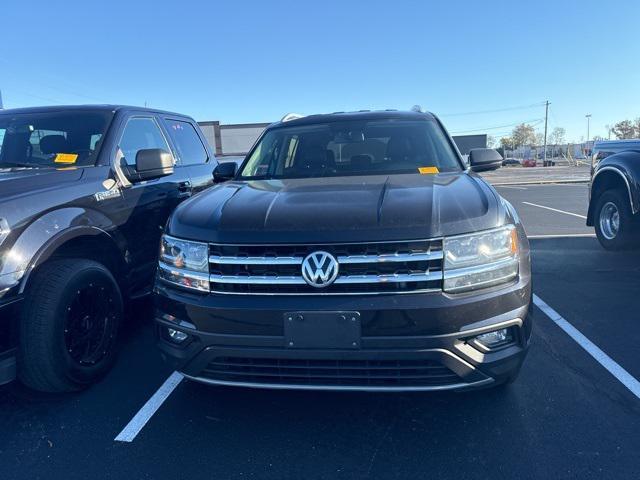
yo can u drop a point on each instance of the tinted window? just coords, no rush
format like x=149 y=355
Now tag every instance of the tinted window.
x=351 y=148
x=55 y=139
x=140 y=134
x=187 y=142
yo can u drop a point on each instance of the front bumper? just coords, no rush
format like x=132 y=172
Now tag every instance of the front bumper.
x=411 y=342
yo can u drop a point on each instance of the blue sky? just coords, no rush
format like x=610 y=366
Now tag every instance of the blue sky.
x=253 y=61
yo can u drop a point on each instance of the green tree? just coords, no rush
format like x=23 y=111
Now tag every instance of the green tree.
x=507 y=143
x=636 y=124
x=624 y=129
x=523 y=134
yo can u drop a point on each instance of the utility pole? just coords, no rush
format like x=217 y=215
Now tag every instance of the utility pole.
x=1 y=107
x=586 y=145
x=546 y=117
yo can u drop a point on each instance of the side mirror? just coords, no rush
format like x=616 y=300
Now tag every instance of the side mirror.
x=483 y=159
x=153 y=163
x=225 y=171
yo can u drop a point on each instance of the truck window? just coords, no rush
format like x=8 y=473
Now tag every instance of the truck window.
x=187 y=141
x=141 y=133
x=51 y=139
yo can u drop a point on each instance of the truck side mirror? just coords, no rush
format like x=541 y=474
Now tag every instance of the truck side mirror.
x=153 y=163
x=225 y=171
x=483 y=159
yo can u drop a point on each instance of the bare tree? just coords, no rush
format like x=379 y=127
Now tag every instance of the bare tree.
x=557 y=136
x=491 y=141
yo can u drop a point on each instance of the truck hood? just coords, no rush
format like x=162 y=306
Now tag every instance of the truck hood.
x=16 y=182
x=339 y=209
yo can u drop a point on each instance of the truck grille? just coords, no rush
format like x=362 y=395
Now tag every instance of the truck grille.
x=352 y=373
x=364 y=268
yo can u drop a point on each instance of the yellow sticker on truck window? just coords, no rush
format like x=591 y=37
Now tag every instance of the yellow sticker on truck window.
x=428 y=170
x=66 y=158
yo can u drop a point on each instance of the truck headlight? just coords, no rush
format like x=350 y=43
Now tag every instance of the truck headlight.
x=184 y=263
x=480 y=260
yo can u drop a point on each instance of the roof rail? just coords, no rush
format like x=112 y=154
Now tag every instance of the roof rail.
x=291 y=116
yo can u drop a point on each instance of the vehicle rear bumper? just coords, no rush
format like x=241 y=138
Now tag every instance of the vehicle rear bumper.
x=433 y=355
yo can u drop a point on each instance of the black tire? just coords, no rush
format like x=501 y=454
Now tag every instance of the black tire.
x=69 y=303
x=621 y=237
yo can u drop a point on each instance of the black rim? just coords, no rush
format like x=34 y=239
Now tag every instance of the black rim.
x=91 y=323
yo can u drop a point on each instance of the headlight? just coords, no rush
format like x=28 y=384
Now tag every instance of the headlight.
x=184 y=263
x=481 y=259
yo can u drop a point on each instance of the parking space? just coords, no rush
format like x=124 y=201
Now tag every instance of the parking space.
x=565 y=417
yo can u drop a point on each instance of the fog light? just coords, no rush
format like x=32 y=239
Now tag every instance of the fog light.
x=495 y=339
x=176 y=336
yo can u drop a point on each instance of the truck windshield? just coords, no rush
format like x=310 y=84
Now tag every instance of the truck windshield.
x=352 y=148
x=51 y=139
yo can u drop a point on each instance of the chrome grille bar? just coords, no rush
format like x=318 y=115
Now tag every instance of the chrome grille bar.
x=257 y=279
x=224 y=260
x=390 y=257
x=342 y=279
x=342 y=259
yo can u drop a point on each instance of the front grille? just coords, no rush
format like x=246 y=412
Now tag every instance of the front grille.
x=345 y=373
x=364 y=268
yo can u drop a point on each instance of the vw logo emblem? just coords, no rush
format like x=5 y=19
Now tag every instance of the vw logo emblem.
x=320 y=269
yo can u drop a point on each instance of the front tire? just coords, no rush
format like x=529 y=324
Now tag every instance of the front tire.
x=69 y=325
x=613 y=220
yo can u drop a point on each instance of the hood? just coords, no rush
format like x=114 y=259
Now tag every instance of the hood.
x=23 y=181
x=339 y=209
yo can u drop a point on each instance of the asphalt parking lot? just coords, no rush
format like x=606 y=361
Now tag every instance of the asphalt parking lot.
x=572 y=413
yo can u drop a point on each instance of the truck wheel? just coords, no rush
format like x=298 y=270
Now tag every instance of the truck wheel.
x=614 y=220
x=69 y=325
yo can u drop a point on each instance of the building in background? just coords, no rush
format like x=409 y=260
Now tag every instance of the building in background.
x=235 y=140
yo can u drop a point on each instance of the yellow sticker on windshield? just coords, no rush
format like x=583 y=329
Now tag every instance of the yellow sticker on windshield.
x=66 y=158
x=428 y=170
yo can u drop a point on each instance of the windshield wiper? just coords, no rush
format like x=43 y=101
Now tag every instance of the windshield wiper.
x=23 y=165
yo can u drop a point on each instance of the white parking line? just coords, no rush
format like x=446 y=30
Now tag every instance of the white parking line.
x=511 y=186
x=555 y=210
x=602 y=358
x=137 y=423
x=563 y=235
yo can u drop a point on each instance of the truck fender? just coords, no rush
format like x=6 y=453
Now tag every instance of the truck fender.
x=625 y=168
x=40 y=239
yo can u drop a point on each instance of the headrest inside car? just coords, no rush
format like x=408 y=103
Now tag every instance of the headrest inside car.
x=54 y=144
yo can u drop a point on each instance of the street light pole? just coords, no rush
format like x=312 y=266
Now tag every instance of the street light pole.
x=546 y=116
x=586 y=145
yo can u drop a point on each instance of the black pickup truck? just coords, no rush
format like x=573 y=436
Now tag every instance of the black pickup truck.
x=350 y=251
x=84 y=194
x=614 y=194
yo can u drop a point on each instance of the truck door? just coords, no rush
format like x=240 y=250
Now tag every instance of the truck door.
x=192 y=153
x=146 y=205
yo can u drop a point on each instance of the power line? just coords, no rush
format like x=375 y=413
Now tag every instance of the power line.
x=506 y=109
x=39 y=97
x=534 y=122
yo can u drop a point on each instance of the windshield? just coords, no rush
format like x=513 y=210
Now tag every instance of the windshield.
x=352 y=148
x=51 y=140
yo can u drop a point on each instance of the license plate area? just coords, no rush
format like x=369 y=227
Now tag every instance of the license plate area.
x=327 y=330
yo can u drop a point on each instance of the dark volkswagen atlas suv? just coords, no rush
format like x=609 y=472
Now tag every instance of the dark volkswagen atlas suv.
x=350 y=251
